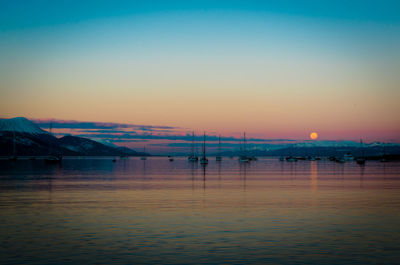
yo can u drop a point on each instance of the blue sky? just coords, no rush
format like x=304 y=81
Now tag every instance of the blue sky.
x=275 y=69
x=19 y=14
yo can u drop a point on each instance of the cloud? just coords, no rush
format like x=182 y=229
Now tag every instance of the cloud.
x=72 y=124
x=126 y=132
x=127 y=136
x=159 y=139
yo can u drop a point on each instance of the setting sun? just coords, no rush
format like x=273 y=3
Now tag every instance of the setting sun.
x=313 y=135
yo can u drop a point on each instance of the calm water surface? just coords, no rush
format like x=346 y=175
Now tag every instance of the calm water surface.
x=88 y=211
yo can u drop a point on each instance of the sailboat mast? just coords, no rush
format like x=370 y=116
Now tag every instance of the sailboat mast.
x=14 y=145
x=51 y=142
x=219 y=145
x=192 y=146
x=240 y=147
x=362 y=148
x=244 y=143
x=204 y=145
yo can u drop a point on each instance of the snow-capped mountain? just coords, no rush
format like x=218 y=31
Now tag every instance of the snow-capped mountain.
x=30 y=139
x=309 y=143
x=89 y=147
x=104 y=141
x=21 y=125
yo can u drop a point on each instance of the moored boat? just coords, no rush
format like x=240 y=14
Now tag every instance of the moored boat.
x=361 y=160
x=53 y=159
x=291 y=159
x=144 y=157
x=204 y=160
x=219 y=157
x=348 y=157
x=243 y=151
x=14 y=155
x=193 y=156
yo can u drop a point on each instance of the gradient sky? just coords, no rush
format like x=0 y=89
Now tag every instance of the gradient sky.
x=277 y=69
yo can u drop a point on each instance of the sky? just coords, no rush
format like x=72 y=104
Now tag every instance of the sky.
x=275 y=69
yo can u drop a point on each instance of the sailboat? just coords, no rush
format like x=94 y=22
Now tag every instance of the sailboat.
x=171 y=157
x=52 y=158
x=123 y=154
x=336 y=157
x=243 y=151
x=204 y=159
x=14 y=155
x=192 y=156
x=383 y=158
x=348 y=157
x=219 y=157
x=291 y=159
x=361 y=160
x=144 y=153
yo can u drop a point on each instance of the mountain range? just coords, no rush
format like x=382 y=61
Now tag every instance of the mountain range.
x=370 y=152
x=29 y=139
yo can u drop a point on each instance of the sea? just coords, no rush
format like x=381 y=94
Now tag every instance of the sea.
x=156 y=211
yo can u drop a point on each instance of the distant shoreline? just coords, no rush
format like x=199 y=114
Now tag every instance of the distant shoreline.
x=42 y=157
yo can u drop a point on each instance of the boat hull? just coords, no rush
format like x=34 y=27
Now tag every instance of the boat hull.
x=53 y=160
